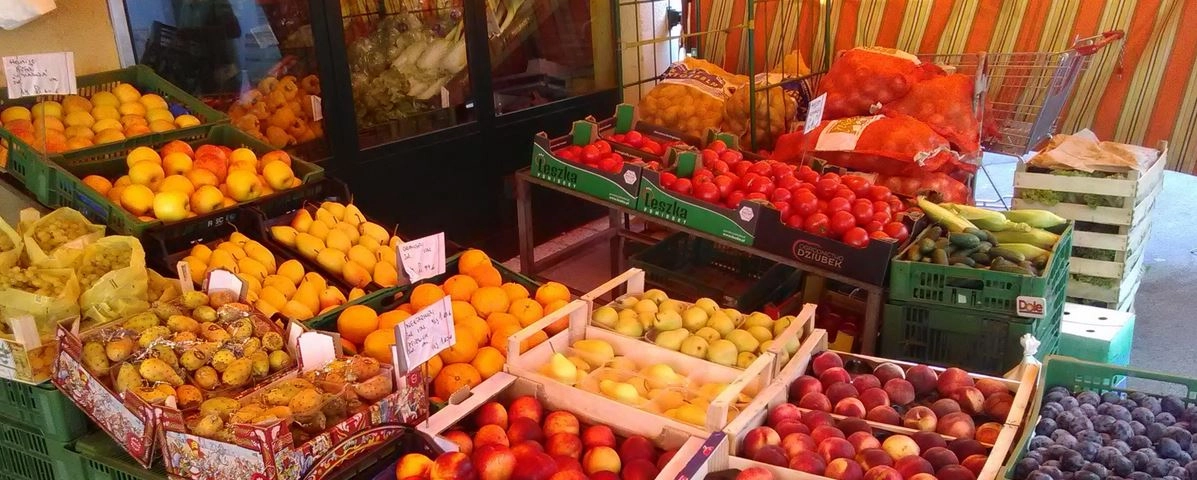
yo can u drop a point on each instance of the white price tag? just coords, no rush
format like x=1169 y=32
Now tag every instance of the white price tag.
x=423 y=257
x=221 y=279
x=8 y=362
x=40 y=74
x=814 y=113
x=425 y=334
x=186 y=280
x=317 y=107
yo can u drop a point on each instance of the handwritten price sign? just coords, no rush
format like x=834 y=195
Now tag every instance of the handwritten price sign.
x=423 y=257
x=41 y=74
x=425 y=334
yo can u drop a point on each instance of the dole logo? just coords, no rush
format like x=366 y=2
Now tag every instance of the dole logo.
x=1032 y=307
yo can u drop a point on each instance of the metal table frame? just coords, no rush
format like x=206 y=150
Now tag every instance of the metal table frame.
x=618 y=231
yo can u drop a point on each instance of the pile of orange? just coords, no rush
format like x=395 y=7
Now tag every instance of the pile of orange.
x=486 y=312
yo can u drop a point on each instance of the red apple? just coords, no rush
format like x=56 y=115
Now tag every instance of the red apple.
x=758 y=438
x=798 y=442
x=638 y=469
x=899 y=390
x=537 y=466
x=833 y=448
x=522 y=429
x=834 y=375
x=783 y=412
x=882 y=472
x=951 y=379
x=791 y=426
x=809 y=462
x=873 y=457
x=899 y=446
x=920 y=418
x=923 y=378
x=940 y=457
x=865 y=381
x=884 y=414
x=912 y=465
x=873 y=398
x=491 y=435
x=850 y=407
x=888 y=371
x=464 y=443
x=754 y=473
x=637 y=447
x=772 y=455
x=863 y=441
x=815 y=401
x=840 y=391
x=804 y=385
x=958 y=424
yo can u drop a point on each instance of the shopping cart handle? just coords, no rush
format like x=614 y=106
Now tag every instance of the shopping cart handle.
x=1089 y=46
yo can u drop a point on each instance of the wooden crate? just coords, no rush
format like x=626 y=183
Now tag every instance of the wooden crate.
x=505 y=387
x=632 y=282
x=722 y=408
x=1121 y=230
x=777 y=393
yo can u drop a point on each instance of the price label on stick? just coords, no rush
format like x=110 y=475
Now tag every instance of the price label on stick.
x=40 y=74
x=423 y=257
x=814 y=113
x=425 y=334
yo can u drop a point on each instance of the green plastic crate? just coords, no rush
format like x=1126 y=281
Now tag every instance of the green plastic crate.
x=980 y=342
x=109 y=161
x=103 y=459
x=979 y=289
x=1079 y=375
x=25 y=455
x=42 y=408
x=35 y=170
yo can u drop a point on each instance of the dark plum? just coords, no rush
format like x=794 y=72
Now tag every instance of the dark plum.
x=1139 y=441
x=1050 y=410
x=1139 y=476
x=1137 y=396
x=1046 y=426
x=1054 y=452
x=1058 y=392
x=1069 y=403
x=1128 y=404
x=1165 y=418
x=1037 y=475
x=1105 y=455
x=1111 y=397
x=1024 y=467
x=1191 y=467
x=1182 y=436
x=1035 y=454
x=1041 y=441
x=1087 y=449
x=1139 y=459
x=1081 y=424
x=1052 y=470
x=1171 y=477
x=1087 y=409
x=1157 y=468
x=1063 y=437
x=1085 y=475
x=1119 y=412
x=1089 y=436
x=1067 y=420
x=1190 y=413
x=1071 y=461
x=1137 y=428
x=1184 y=458
x=1103 y=423
x=1121 y=446
x=1097 y=468
x=1168 y=448
x=1122 y=430
x=1143 y=415
x=1151 y=403
x=1089 y=397
x=1173 y=404
x=1052 y=463
x=1121 y=466
x=1155 y=431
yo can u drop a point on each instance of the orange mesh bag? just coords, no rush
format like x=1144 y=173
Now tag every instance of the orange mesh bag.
x=945 y=103
x=897 y=145
x=937 y=185
x=867 y=76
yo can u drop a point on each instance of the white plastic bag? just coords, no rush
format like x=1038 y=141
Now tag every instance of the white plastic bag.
x=14 y=13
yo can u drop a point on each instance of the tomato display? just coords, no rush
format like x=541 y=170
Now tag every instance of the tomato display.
x=643 y=142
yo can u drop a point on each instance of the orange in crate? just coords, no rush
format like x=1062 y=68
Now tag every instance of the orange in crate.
x=453 y=377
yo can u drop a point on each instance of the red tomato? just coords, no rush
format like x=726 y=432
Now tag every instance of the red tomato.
x=730 y=156
x=591 y=154
x=724 y=183
x=825 y=188
x=603 y=146
x=781 y=170
x=896 y=204
x=805 y=203
x=788 y=181
x=702 y=176
x=879 y=206
x=707 y=191
x=780 y=195
x=634 y=138
x=863 y=211
x=822 y=205
x=709 y=156
x=683 y=185
x=897 y=230
x=882 y=217
x=668 y=179
x=611 y=162
x=783 y=207
x=717 y=146
x=567 y=154
x=733 y=199
x=879 y=235
x=856 y=237
x=845 y=192
x=807 y=175
x=741 y=167
x=817 y=224
x=830 y=176
x=878 y=193
x=651 y=146
x=842 y=221
x=857 y=183
x=756 y=196
x=795 y=221
x=762 y=168
x=717 y=166
x=619 y=137
x=838 y=204
x=758 y=184
x=873 y=226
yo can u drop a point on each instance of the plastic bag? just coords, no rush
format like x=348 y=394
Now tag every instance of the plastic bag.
x=11 y=245
x=161 y=289
x=774 y=113
x=866 y=76
x=690 y=98
x=15 y=13
x=47 y=311
x=63 y=250
x=121 y=292
x=945 y=103
x=897 y=145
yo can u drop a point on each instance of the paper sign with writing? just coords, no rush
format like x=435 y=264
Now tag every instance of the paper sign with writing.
x=186 y=281
x=814 y=113
x=425 y=334
x=315 y=350
x=317 y=105
x=423 y=257
x=221 y=279
x=40 y=74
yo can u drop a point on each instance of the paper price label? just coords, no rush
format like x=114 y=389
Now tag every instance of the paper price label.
x=40 y=74
x=186 y=280
x=814 y=113
x=425 y=334
x=221 y=279
x=317 y=107
x=423 y=257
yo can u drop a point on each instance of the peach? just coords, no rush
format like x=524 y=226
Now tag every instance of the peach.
x=884 y=414
x=494 y=462
x=873 y=457
x=955 y=472
x=604 y=476
x=464 y=443
x=957 y=424
x=755 y=473
x=638 y=447
x=854 y=425
x=453 y=466
x=928 y=440
x=564 y=444
x=526 y=449
x=971 y=400
x=826 y=361
x=834 y=375
x=840 y=391
x=844 y=469
x=537 y=466
x=665 y=458
x=912 y=465
x=598 y=436
x=491 y=413
x=783 y=412
x=874 y=397
x=758 y=438
x=998 y=405
x=920 y=418
x=966 y=447
x=808 y=461
x=567 y=463
x=951 y=379
x=899 y=446
x=413 y=465
x=791 y=426
x=832 y=448
x=569 y=475
x=923 y=378
x=599 y=459
x=923 y=476
x=823 y=432
x=639 y=469
x=888 y=371
x=491 y=435
x=523 y=428
x=899 y=390
x=772 y=455
x=940 y=457
x=850 y=407
x=526 y=407
x=989 y=386
x=561 y=422
x=815 y=401
x=865 y=381
x=863 y=441
x=804 y=385
x=882 y=472
x=988 y=432
x=814 y=418
x=944 y=406
x=975 y=463
x=798 y=442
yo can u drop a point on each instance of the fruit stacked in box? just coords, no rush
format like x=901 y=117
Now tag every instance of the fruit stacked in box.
x=644 y=142
x=278 y=111
x=1016 y=241
x=599 y=154
x=343 y=242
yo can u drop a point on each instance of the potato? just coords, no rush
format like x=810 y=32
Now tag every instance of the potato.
x=213 y=332
x=141 y=321
x=238 y=373
x=206 y=377
x=272 y=341
x=307 y=402
x=127 y=378
x=222 y=407
x=95 y=359
x=241 y=329
x=182 y=323
x=222 y=359
x=208 y=426
x=157 y=370
x=119 y=349
x=280 y=360
x=151 y=335
x=261 y=363
x=375 y=388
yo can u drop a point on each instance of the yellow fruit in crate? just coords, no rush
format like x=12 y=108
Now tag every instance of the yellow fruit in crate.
x=115 y=192
x=273 y=296
x=177 y=163
x=76 y=103
x=284 y=234
x=308 y=246
x=98 y=183
x=153 y=101
x=252 y=268
x=171 y=206
x=296 y=310
x=233 y=248
x=11 y=114
x=319 y=230
x=316 y=280
x=142 y=154
x=243 y=155
x=338 y=240
x=199 y=176
x=158 y=114
x=356 y=293
x=259 y=252
x=197 y=266
x=80 y=132
x=488 y=362
x=243 y=186
x=280 y=283
x=337 y=209
x=349 y=231
x=353 y=215
x=75 y=143
x=332 y=259
x=206 y=199
x=135 y=130
x=356 y=275
x=137 y=199
x=385 y=275
x=129 y=121
x=159 y=126
x=292 y=270
x=375 y=231
x=132 y=109
x=79 y=119
x=184 y=121
x=302 y=220
x=104 y=98
x=125 y=93
x=308 y=294
x=471 y=259
x=106 y=112
x=360 y=255
x=387 y=255
x=176 y=183
x=201 y=252
x=278 y=175
x=331 y=297
x=47 y=109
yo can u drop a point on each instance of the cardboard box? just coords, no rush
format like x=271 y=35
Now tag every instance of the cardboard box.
x=627 y=119
x=1097 y=334
x=736 y=224
x=620 y=188
x=28 y=361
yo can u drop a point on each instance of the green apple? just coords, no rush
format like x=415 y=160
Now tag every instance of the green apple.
x=760 y=333
x=743 y=340
x=663 y=321
x=655 y=295
x=646 y=306
x=671 y=305
x=723 y=352
x=721 y=323
x=695 y=346
x=671 y=339
x=605 y=316
x=758 y=319
x=710 y=334
x=694 y=318
x=630 y=328
x=744 y=359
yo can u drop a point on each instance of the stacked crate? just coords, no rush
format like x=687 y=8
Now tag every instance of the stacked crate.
x=1113 y=217
x=38 y=424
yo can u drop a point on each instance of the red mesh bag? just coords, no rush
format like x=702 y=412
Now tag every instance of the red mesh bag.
x=865 y=76
x=897 y=145
x=940 y=186
x=945 y=103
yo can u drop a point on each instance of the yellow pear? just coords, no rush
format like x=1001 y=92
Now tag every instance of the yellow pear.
x=292 y=270
x=355 y=274
x=315 y=279
x=332 y=259
x=385 y=274
x=338 y=240
x=273 y=297
x=331 y=297
x=252 y=285
x=326 y=216
x=353 y=216
x=386 y=255
x=308 y=295
x=349 y=231
x=266 y=308
x=252 y=268
x=335 y=208
x=280 y=283
x=284 y=234
x=260 y=253
x=394 y=242
x=296 y=310
x=197 y=266
x=363 y=256
x=302 y=221
x=222 y=259
x=356 y=293
x=370 y=243
x=308 y=245
x=375 y=231
x=319 y=230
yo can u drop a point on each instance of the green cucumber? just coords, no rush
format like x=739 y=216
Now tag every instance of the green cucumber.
x=1012 y=256
x=939 y=256
x=964 y=240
